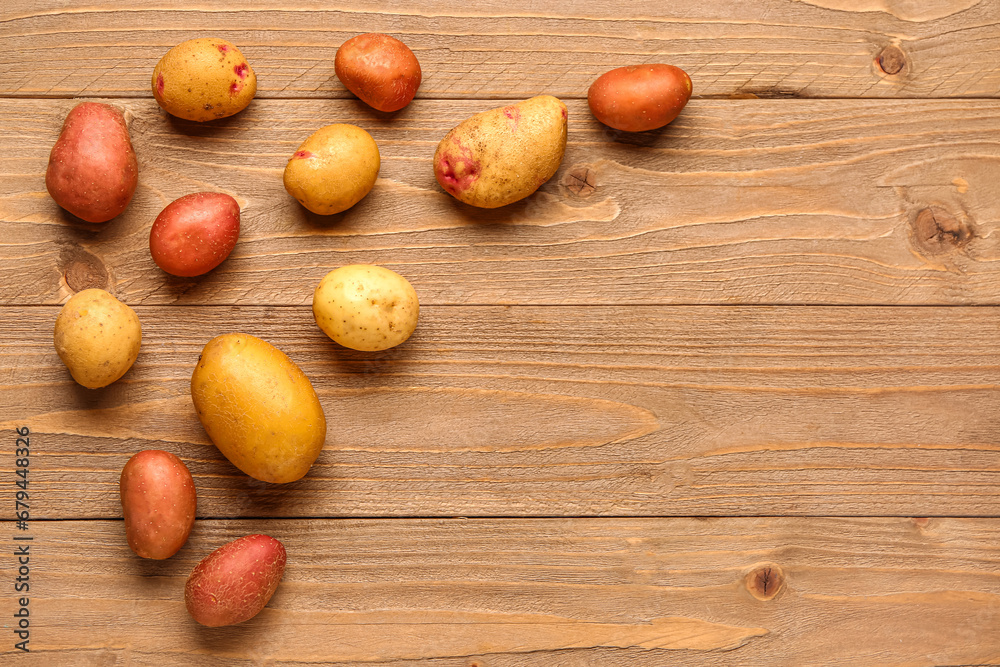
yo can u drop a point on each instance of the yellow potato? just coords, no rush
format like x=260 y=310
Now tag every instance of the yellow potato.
x=204 y=79
x=97 y=337
x=258 y=407
x=366 y=307
x=502 y=155
x=333 y=169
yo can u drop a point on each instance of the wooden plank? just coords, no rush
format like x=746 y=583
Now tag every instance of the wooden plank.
x=468 y=593
x=553 y=411
x=519 y=48
x=754 y=201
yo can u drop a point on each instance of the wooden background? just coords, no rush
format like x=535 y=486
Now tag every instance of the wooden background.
x=725 y=393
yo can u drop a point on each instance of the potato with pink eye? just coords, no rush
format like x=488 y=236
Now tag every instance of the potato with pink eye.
x=379 y=69
x=204 y=79
x=640 y=97
x=333 y=169
x=194 y=234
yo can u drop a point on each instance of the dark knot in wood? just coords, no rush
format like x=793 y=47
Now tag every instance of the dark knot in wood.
x=892 y=60
x=936 y=231
x=84 y=271
x=765 y=581
x=581 y=181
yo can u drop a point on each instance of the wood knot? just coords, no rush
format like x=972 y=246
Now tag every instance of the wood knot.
x=891 y=60
x=84 y=271
x=765 y=581
x=581 y=181
x=937 y=232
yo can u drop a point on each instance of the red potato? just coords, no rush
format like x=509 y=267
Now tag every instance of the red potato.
x=234 y=582
x=93 y=171
x=196 y=233
x=159 y=502
x=379 y=69
x=639 y=97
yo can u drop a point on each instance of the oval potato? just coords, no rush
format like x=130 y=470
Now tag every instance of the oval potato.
x=640 y=97
x=379 y=69
x=333 y=169
x=366 y=307
x=204 y=79
x=503 y=155
x=258 y=407
x=97 y=337
x=159 y=503
x=235 y=582
x=195 y=233
x=93 y=171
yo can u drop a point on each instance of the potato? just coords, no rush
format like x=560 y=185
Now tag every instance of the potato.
x=203 y=79
x=236 y=581
x=366 y=307
x=159 y=502
x=333 y=169
x=93 y=171
x=258 y=408
x=97 y=337
x=500 y=156
x=194 y=234
x=379 y=69
x=640 y=97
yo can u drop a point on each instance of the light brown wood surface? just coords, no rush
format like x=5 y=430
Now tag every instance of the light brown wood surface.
x=499 y=411
x=541 y=592
x=748 y=201
x=519 y=48
x=721 y=394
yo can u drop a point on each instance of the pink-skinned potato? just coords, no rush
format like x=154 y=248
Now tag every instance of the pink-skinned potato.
x=194 y=234
x=639 y=97
x=236 y=581
x=159 y=503
x=93 y=171
x=379 y=69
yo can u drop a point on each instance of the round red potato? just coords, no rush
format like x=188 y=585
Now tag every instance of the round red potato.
x=379 y=69
x=639 y=97
x=234 y=582
x=93 y=171
x=159 y=503
x=194 y=234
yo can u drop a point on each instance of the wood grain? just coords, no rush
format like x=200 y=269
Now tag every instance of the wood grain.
x=819 y=202
x=773 y=311
x=519 y=48
x=464 y=593
x=553 y=411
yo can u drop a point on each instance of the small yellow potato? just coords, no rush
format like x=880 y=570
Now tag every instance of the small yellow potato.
x=97 y=337
x=366 y=307
x=258 y=407
x=204 y=79
x=503 y=155
x=333 y=169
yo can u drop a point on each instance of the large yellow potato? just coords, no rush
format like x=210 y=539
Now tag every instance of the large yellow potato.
x=366 y=307
x=333 y=169
x=204 y=79
x=258 y=407
x=500 y=156
x=97 y=337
